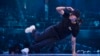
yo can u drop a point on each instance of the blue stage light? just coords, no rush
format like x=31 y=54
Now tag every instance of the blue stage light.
x=96 y=23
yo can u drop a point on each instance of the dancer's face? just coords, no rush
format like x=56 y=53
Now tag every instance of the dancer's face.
x=72 y=17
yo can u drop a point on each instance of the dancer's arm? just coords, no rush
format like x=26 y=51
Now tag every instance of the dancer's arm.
x=73 y=39
x=61 y=9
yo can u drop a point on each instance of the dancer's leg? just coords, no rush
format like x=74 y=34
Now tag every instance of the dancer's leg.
x=36 y=47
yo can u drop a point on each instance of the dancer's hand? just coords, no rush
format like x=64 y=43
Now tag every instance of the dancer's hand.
x=70 y=8
x=74 y=54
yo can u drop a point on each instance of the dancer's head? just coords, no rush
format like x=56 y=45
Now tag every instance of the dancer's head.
x=74 y=15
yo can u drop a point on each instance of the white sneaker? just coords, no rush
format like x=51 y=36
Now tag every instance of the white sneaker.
x=30 y=29
x=25 y=50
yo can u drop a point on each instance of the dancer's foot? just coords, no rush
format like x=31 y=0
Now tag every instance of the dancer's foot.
x=30 y=29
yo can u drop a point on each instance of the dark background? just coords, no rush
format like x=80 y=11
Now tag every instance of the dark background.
x=16 y=15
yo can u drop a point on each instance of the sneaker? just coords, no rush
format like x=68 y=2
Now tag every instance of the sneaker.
x=30 y=29
x=25 y=51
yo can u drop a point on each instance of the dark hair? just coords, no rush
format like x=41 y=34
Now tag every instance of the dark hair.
x=76 y=13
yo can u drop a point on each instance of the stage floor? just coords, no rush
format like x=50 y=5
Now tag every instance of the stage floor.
x=49 y=55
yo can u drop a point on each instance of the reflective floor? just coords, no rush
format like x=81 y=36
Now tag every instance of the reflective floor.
x=49 y=55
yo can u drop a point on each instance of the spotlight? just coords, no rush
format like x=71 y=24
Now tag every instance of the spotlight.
x=96 y=23
x=98 y=51
x=38 y=24
x=88 y=52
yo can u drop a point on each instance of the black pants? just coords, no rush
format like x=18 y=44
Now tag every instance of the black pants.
x=51 y=35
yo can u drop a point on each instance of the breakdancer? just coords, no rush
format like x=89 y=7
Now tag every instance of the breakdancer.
x=69 y=25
